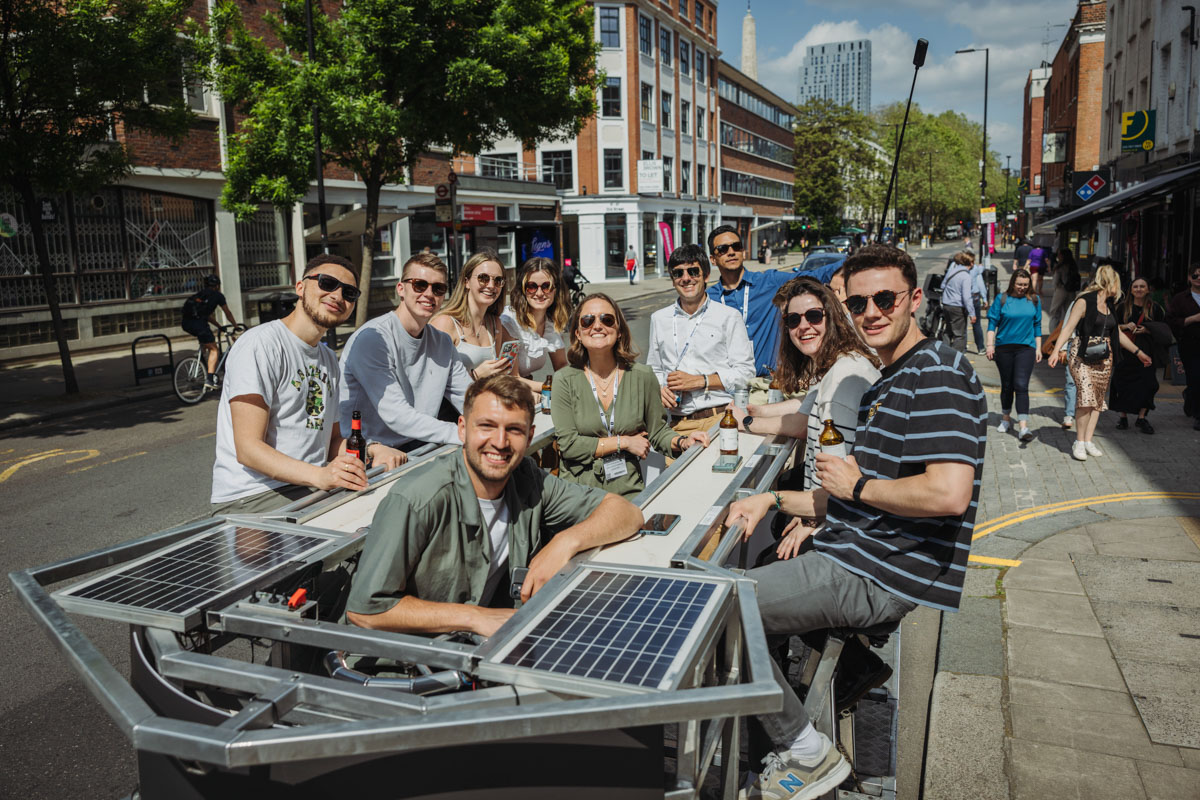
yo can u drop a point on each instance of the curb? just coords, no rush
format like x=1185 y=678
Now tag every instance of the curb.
x=20 y=419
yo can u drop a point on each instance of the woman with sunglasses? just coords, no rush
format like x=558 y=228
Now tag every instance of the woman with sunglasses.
x=537 y=319
x=472 y=316
x=819 y=352
x=607 y=410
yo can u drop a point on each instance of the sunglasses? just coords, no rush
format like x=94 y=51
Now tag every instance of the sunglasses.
x=534 y=288
x=679 y=272
x=328 y=283
x=494 y=280
x=814 y=316
x=884 y=301
x=588 y=320
x=419 y=286
x=722 y=249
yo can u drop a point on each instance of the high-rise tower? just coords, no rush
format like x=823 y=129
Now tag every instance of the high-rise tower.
x=749 y=46
x=838 y=71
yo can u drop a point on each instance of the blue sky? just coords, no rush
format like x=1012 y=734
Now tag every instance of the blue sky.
x=1014 y=31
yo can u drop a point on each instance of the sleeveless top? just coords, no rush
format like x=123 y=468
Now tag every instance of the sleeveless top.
x=472 y=355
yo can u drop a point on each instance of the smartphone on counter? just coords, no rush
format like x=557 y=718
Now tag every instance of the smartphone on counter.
x=659 y=524
x=726 y=463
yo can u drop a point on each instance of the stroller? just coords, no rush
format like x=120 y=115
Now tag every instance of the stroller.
x=933 y=322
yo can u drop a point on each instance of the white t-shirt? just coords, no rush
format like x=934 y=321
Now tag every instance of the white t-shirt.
x=495 y=519
x=300 y=385
x=535 y=349
x=842 y=388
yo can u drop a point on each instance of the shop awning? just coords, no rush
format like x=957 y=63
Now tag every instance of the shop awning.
x=352 y=223
x=1115 y=203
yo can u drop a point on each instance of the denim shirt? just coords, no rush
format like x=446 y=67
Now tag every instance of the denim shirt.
x=956 y=290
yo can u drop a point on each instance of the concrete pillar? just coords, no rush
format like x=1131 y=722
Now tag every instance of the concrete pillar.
x=299 y=246
x=227 y=263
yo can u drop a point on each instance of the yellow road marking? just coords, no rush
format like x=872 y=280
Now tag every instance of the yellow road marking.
x=994 y=562
x=26 y=455
x=1015 y=517
x=106 y=463
x=85 y=454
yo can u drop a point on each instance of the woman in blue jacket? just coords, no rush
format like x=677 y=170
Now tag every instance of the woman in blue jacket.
x=1014 y=342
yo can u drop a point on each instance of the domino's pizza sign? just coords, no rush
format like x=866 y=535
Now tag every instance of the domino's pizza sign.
x=1089 y=187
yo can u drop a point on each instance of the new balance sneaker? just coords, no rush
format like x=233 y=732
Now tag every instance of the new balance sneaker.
x=1092 y=450
x=1004 y=426
x=785 y=778
x=1079 y=451
x=1025 y=434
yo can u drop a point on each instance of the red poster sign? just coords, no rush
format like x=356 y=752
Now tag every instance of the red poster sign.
x=477 y=213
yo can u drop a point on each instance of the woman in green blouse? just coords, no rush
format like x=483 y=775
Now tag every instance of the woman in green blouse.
x=607 y=410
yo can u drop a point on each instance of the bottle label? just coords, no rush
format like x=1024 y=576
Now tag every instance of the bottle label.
x=354 y=453
x=838 y=449
x=728 y=439
x=545 y=398
x=774 y=396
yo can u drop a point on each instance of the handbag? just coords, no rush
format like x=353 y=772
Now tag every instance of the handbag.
x=1095 y=351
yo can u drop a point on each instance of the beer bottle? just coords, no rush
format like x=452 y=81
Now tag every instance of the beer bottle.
x=356 y=445
x=728 y=435
x=774 y=390
x=831 y=439
x=546 y=394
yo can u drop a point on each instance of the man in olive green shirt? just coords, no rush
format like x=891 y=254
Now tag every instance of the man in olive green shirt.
x=444 y=543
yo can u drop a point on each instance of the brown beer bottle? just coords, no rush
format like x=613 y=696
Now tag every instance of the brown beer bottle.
x=774 y=390
x=831 y=439
x=546 y=394
x=728 y=435
x=356 y=445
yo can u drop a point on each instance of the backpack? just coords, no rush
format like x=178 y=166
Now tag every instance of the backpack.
x=193 y=307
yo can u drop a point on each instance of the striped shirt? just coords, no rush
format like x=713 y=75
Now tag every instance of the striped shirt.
x=926 y=407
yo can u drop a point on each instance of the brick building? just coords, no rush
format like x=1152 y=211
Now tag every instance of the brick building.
x=1031 y=148
x=757 y=158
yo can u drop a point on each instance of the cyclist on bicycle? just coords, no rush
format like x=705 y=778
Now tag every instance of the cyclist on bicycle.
x=199 y=313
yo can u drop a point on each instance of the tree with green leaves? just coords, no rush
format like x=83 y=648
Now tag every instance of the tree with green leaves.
x=71 y=73
x=392 y=79
x=834 y=165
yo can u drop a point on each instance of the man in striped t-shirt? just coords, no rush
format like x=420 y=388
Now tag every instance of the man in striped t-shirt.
x=898 y=511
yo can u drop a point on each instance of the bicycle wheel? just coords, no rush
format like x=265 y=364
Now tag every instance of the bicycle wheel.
x=189 y=380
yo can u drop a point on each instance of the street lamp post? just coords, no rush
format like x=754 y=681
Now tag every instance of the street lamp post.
x=983 y=252
x=1007 y=175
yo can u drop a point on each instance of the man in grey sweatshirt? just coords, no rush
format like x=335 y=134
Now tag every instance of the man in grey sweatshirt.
x=396 y=369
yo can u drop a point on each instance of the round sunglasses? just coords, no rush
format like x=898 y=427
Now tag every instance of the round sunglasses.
x=494 y=280
x=588 y=320
x=815 y=316
x=420 y=286
x=328 y=283
x=884 y=300
x=533 y=288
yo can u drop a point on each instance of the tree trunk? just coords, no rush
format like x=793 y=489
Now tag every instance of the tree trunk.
x=34 y=214
x=373 y=185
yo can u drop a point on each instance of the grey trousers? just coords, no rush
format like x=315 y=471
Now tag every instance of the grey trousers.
x=956 y=320
x=809 y=593
x=262 y=502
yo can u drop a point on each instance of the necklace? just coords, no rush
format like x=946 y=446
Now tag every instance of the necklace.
x=603 y=385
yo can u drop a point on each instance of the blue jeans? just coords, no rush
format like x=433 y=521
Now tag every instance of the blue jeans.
x=977 y=327
x=1069 y=393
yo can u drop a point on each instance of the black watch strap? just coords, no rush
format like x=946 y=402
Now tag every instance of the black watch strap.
x=746 y=422
x=858 y=488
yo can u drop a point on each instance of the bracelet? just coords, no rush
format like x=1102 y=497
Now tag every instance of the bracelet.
x=1138 y=352
x=618 y=444
x=706 y=384
x=778 y=499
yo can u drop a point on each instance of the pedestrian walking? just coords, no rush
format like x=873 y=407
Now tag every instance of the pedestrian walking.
x=1134 y=385
x=1091 y=361
x=956 y=299
x=978 y=294
x=1037 y=266
x=1066 y=285
x=1183 y=315
x=631 y=263
x=1021 y=256
x=1015 y=344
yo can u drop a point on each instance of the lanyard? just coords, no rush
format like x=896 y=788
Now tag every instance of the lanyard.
x=687 y=342
x=745 y=300
x=609 y=425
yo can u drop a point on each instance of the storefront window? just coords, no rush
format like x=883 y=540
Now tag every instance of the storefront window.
x=649 y=244
x=614 y=245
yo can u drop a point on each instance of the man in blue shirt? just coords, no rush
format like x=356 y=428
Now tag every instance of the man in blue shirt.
x=751 y=294
x=957 y=303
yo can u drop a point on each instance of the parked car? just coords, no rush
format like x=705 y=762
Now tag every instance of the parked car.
x=820 y=265
x=821 y=248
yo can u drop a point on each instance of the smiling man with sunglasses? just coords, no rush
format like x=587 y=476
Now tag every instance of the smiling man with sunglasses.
x=699 y=349
x=751 y=294
x=278 y=435
x=398 y=369
x=898 y=513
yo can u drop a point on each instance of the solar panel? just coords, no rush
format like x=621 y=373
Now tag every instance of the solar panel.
x=637 y=628
x=170 y=587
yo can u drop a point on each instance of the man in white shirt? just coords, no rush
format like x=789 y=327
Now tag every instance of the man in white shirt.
x=699 y=349
x=398 y=369
x=277 y=436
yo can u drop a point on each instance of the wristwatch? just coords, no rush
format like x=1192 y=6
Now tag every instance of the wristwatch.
x=746 y=421
x=858 y=488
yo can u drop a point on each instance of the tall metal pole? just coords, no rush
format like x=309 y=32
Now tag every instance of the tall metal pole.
x=918 y=62
x=983 y=251
x=929 y=225
x=316 y=121
x=1007 y=175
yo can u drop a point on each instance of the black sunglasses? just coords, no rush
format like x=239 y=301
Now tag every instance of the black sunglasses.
x=495 y=280
x=419 y=286
x=588 y=320
x=722 y=249
x=884 y=301
x=813 y=315
x=693 y=272
x=534 y=288
x=328 y=283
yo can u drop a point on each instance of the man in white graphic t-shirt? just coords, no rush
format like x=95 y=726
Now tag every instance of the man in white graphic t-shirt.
x=277 y=428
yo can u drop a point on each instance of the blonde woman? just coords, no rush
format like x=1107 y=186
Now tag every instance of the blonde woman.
x=472 y=317
x=538 y=317
x=1091 y=360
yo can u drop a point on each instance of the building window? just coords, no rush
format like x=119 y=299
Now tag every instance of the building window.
x=699 y=122
x=610 y=27
x=755 y=186
x=699 y=14
x=685 y=60
x=664 y=46
x=699 y=180
x=747 y=142
x=646 y=36
x=685 y=170
x=610 y=98
x=647 y=103
x=498 y=165
x=558 y=168
x=647 y=155
x=668 y=183
x=613 y=170
x=683 y=9
x=665 y=118
x=685 y=116
x=700 y=59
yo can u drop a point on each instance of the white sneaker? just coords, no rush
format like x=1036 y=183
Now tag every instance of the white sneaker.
x=1092 y=450
x=1004 y=426
x=1079 y=451
x=1024 y=434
